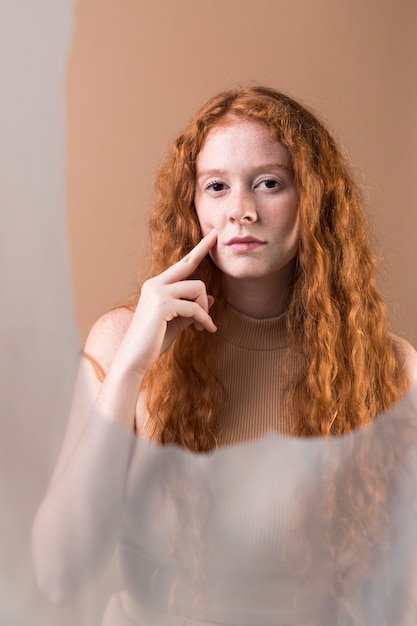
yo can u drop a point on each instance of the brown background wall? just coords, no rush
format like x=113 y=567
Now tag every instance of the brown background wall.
x=138 y=70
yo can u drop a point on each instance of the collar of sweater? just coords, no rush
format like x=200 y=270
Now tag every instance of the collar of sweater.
x=248 y=332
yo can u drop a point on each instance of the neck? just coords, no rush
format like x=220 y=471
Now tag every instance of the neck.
x=258 y=298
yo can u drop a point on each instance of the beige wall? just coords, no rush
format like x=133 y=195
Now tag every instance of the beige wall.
x=138 y=71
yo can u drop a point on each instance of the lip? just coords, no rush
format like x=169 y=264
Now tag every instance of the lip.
x=246 y=239
x=244 y=244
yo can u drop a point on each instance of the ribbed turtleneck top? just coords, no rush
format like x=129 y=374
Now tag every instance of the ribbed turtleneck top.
x=256 y=366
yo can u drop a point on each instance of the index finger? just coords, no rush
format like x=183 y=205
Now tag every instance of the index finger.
x=189 y=263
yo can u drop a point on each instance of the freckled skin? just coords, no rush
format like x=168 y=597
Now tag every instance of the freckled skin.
x=245 y=189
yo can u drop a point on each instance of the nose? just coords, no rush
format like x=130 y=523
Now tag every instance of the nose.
x=242 y=207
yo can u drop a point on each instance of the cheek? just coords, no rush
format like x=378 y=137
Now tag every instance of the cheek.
x=205 y=219
x=205 y=226
x=294 y=234
x=287 y=231
x=292 y=221
x=295 y=225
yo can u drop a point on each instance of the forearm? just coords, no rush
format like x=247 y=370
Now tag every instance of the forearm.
x=76 y=527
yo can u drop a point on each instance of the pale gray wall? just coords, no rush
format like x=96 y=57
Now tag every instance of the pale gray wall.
x=38 y=337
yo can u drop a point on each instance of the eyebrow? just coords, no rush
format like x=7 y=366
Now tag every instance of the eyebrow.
x=260 y=168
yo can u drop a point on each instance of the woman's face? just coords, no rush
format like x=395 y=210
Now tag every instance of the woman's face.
x=245 y=190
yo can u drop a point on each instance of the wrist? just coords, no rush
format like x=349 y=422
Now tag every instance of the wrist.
x=118 y=396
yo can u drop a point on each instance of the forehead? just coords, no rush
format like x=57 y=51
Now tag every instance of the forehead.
x=241 y=141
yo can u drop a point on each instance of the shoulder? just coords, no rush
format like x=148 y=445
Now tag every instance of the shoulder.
x=106 y=336
x=408 y=355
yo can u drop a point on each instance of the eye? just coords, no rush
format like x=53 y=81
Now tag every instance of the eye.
x=215 y=186
x=269 y=183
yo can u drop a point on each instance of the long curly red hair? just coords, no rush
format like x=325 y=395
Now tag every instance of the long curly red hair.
x=335 y=315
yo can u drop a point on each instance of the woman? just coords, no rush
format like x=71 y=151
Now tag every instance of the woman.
x=260 y=314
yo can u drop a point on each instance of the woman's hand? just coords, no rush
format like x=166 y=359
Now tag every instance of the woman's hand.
x=168 y=304
x=76 y=526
